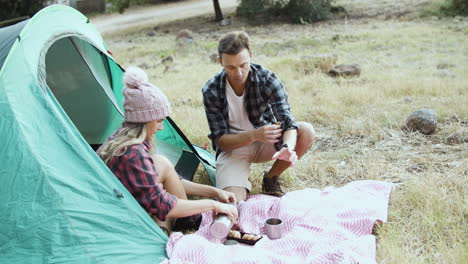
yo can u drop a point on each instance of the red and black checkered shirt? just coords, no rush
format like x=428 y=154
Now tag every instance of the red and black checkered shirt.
x=136 y=170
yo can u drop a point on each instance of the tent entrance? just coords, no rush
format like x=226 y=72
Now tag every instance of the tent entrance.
x=79 y=76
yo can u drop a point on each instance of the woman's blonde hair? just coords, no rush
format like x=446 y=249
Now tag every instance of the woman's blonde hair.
x=129 y=134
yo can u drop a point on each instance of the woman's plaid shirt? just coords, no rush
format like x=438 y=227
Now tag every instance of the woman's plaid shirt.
x=266 y=102
x=136 y=170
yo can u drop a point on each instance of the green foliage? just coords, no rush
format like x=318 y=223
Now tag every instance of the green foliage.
x=300 y=11
x=17 y=8
x=447 y=8
x=121 y=5
x=296 y=11
x=260 y=9
x=455 y=7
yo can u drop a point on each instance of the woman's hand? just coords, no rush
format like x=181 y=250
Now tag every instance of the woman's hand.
x=225 y=196
x=228 y=209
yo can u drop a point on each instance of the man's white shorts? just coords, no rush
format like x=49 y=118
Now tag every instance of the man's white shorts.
x=233 y=167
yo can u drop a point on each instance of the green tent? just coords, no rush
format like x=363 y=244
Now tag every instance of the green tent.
x=61 y=95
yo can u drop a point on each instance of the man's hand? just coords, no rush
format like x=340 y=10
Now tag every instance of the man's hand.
x=286 y=154
x=268 y=133
x=225 y=196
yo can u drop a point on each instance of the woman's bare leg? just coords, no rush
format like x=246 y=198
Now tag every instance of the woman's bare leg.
x=169 y=177
x=171 y=182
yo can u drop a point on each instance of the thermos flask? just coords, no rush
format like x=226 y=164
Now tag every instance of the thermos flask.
x=221 y=225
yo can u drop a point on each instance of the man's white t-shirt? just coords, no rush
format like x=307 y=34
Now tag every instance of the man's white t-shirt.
x=238 y=119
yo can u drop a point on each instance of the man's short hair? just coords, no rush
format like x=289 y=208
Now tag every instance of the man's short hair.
x=233 y=42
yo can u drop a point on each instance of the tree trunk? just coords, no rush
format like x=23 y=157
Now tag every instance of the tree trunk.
x=218 y=12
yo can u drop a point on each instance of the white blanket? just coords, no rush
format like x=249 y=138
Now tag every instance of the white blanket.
x=329 y=226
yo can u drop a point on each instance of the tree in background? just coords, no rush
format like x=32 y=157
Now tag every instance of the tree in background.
x=218 y=13
x=11 y=9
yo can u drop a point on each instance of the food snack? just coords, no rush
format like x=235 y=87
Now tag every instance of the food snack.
x=255 y=237
x=245 y=238
x=234 y=234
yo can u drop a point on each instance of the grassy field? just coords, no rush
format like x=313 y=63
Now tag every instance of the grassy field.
x=408 y=61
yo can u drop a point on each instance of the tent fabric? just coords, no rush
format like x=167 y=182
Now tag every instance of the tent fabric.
x=207 y=158
x=8 y=36
x=59 y=203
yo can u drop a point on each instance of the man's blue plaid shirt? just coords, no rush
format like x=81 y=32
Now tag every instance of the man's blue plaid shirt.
x=266 y=102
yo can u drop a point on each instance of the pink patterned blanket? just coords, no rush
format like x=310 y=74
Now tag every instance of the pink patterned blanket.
x=329 y=226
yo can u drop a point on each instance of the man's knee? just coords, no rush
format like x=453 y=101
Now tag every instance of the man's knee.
x=239 y=192
x=306 y=132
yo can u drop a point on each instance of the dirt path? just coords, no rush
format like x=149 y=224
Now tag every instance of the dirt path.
x=157 y=14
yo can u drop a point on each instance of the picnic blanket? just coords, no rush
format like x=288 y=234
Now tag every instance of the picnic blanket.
x=319 y=226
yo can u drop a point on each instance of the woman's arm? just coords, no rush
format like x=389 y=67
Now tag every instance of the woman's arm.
x=185 y=208
x=196 y=189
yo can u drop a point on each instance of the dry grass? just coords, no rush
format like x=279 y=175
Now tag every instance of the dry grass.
x=407 y=62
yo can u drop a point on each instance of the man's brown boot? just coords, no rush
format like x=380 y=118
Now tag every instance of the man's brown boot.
x=271 y=186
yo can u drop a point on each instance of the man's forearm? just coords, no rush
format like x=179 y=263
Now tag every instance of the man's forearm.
x=228 y=142
x=290 y=138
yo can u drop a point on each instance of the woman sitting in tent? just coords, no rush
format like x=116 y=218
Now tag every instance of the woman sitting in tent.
x=149 y=177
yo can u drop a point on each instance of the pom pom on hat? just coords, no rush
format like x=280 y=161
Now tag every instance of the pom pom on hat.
x=143 y=101
x=134 y=77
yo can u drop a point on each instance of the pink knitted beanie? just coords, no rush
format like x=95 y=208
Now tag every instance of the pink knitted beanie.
x=143 y=101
